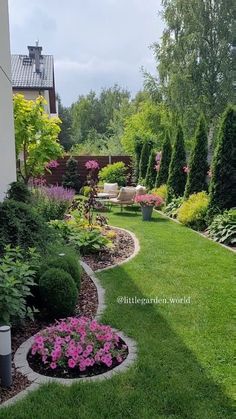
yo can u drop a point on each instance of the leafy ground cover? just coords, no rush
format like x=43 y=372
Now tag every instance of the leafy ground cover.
x=184 y=366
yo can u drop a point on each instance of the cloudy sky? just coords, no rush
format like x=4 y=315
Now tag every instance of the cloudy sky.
x=95 y=43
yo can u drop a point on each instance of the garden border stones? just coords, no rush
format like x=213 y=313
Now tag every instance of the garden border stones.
x=20 y=358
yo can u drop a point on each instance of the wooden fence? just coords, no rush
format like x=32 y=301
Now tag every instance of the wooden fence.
x=56 y=176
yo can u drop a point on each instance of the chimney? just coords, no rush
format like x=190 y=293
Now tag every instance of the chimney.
x=35 y=54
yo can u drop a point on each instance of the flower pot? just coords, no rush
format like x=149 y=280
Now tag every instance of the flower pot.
x=147 y=212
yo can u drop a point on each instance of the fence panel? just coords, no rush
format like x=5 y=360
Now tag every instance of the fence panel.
x=56 y=176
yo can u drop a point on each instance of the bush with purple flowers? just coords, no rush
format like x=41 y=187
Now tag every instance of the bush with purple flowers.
x=77 y=343
x=53 y=201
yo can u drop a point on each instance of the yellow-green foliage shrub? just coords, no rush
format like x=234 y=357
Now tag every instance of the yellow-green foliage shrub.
x=193 y=211
x=161 y=191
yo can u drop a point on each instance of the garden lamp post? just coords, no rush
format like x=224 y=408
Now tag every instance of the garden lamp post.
x=5 y=356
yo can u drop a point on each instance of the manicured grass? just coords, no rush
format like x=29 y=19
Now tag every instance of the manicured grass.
x=185 y=354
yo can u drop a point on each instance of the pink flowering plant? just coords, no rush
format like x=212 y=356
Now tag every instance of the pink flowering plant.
x=92 y=165
x=149 y=200
x=78 y=343
x=53 y=164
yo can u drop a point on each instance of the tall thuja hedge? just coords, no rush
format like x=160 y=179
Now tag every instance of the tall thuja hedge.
x=162 y=175
x=137 y=154
x=151 y=171
x=144 y=159
x=198 y=167
x=223 y=180
x=177 y=175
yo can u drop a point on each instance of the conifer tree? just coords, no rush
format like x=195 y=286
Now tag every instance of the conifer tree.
x=198 y=167
x=162 y=175
x=71 y=176
x=223 y=180
x=177 y=174
x=144 y=159
x=151 y=171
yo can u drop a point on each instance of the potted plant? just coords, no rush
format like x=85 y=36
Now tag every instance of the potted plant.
x=147 y=202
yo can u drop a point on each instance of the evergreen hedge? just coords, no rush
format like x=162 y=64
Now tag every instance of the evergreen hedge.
x=144 y=159
x=177 y=176
x=162 y=175
x=151 y=171
x=223 y=180
x=137 y=152
x=198 y=167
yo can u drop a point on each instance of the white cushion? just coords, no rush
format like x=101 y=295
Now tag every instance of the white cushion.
x=140 y=190
x=110 y=187
x=127 y=194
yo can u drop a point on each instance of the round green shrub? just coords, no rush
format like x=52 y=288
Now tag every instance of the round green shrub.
x=58 y=292
x=193 y=211
x=114 y=173
x=65 y=262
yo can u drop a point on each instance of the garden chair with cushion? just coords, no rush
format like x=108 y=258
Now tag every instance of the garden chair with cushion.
x=127 y=195
x=110 y=190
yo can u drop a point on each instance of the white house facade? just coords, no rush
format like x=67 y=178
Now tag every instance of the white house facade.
x=33 y=76
x=7 y=139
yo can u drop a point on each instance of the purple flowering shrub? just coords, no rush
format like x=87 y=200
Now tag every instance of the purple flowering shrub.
x=77 y=342
x=58 y=193
x=53 y=201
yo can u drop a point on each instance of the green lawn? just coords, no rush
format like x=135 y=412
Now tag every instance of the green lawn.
x=185 y=354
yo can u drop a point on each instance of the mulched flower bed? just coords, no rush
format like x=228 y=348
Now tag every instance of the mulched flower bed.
x=35 y=363
x=123 y=248
x=87 y=306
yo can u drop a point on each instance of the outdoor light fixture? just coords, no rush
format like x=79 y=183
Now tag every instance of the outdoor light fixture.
x=5 y=356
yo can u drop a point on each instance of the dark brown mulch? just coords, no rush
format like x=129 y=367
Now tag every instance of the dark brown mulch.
x=35 y=363
x=88 y=298
x=87 y=306
x=123 y=248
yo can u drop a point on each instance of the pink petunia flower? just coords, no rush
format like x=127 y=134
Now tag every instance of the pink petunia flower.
x=71 y=363
x=53 y=365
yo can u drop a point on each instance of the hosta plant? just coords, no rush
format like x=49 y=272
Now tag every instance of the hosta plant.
x=77 y=344
x=172 y=208
x=16 y=280
x=223 y=228
x=84 y=238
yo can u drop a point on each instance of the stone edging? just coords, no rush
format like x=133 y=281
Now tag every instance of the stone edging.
x=20 y=358
x=195 y=231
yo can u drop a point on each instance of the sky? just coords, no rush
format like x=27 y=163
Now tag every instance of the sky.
x=95 y=43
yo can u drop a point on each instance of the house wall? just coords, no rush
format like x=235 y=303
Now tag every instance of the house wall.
x=33 y=94
x=7 y=140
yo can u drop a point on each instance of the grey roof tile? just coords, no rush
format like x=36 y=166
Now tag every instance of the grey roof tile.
x=24 y=75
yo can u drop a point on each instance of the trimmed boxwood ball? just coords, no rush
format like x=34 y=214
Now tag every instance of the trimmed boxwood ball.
x=58 y=292
x=65 y=262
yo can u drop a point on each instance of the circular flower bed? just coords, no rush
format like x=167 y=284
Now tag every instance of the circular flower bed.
x=76 y=347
